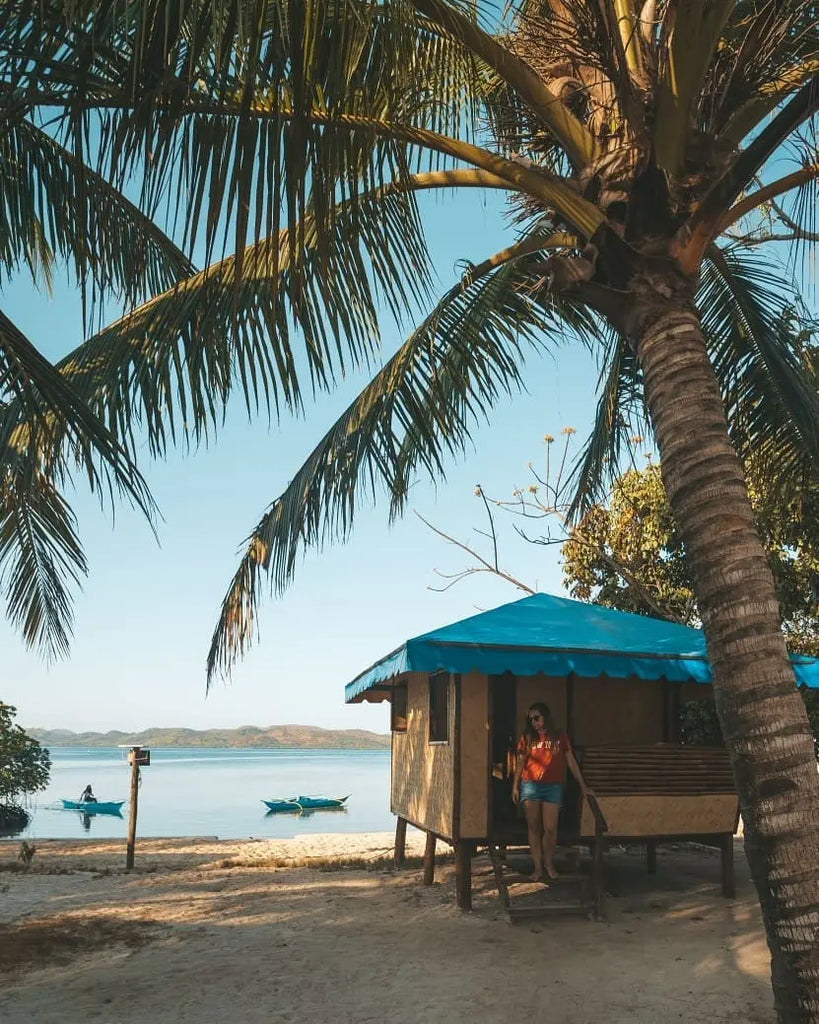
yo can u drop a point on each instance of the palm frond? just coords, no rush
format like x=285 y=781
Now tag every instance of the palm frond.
x=573 y=137
x=758 y=199
x=48 y=415
x=47 y=436
x=189 y=94
x=768 y=52
x=796 y=211
x=620 y=414
x=751 y=316
x=171 y=365
x=120 y=250
x=417 y=411
x=703 y=225
x=755 y=327
x=691 y=44
x=41 y=558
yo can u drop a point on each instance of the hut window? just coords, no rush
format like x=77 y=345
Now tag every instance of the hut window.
x=398 y=710
x=439 y=708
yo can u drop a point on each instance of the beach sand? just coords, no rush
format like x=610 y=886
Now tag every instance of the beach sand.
x=320 y=928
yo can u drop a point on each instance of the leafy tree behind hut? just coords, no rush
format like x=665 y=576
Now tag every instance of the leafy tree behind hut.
x=628 y=554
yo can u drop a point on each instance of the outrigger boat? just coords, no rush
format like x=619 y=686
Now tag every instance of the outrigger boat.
x=94 y=806
x=297 y=804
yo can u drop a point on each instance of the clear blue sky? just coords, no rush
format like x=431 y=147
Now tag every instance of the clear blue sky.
x=147 y=611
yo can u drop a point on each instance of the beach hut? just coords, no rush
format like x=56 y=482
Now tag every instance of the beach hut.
x=615 y=681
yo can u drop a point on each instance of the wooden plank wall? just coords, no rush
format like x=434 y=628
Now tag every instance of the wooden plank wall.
x=617 y=712
x=551 y=690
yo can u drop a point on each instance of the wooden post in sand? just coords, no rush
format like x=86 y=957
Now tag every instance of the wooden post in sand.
x=136 y=757
x=400 y=843
x=726 y=844
x=651 y=856
x=464 y=850
x=429 y=859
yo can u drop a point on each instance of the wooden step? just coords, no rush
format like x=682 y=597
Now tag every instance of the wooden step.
x=533 y=913
x=513 y=878
x=523 y=899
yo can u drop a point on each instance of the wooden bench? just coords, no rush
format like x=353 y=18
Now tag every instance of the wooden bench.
x=663 y=792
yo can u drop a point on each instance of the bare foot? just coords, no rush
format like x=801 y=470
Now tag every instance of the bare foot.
x=550 y=871
x=536 y=876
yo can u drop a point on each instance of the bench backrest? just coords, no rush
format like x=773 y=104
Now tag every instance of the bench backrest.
x=664 y=769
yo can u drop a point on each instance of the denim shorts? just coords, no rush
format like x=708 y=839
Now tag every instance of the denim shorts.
x=545 y=792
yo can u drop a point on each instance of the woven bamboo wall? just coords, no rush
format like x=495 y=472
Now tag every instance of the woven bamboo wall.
x=474 y=755
x=422 y=772
x=617 y=711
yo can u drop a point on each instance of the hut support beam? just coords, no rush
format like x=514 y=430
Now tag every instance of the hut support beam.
x=597 y=876
x=727 y=865
x=464 y=850
x=399 y=853
x=429 y=859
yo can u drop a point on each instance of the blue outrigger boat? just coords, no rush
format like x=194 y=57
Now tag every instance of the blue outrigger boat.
x=94 y=806
x=297 y=804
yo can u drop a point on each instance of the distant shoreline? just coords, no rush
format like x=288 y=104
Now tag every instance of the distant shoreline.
x=306 y=737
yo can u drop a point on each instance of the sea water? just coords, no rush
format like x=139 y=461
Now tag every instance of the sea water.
x=194 y=791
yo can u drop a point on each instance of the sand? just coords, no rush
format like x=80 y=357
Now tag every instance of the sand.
x=320 y=928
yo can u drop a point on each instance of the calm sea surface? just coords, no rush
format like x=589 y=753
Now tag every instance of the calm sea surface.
x=210 y=792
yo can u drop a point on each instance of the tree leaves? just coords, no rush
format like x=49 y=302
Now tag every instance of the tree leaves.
x=24 y=764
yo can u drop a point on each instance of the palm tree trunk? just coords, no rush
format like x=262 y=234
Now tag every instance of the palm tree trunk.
x=762 y=715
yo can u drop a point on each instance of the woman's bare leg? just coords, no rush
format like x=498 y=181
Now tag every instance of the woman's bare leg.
x=534 y=824
x=550 y=813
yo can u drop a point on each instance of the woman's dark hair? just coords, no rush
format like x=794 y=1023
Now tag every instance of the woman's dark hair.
x=548 y=721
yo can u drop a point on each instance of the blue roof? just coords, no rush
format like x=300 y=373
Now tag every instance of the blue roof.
x=556 y=636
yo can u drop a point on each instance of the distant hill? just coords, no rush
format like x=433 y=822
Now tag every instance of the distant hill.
x=309 y=736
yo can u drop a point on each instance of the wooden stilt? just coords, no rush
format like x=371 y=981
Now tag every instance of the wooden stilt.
x=651 y=856
x=429 y=859
x=130 y=842
x=399 y=852
x=464 y=850
x=597 y=876
x=727 y=865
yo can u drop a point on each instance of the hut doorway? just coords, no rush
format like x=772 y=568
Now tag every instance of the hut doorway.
x=506 y=820
x=503 y=693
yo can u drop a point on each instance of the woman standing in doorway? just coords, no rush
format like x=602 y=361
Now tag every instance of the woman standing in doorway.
x=543 y=754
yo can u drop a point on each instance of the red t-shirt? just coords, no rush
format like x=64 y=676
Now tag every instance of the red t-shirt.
x=546 y=759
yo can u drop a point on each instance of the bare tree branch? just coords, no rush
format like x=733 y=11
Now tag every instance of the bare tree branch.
x=535 y=508
x=486 y=566
x=749 y=240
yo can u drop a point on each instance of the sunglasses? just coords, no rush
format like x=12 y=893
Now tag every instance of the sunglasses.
x=535 y=718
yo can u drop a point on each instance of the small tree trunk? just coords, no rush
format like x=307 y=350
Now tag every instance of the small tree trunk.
x=762 y=715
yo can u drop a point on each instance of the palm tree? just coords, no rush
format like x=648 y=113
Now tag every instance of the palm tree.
x=643 y=151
